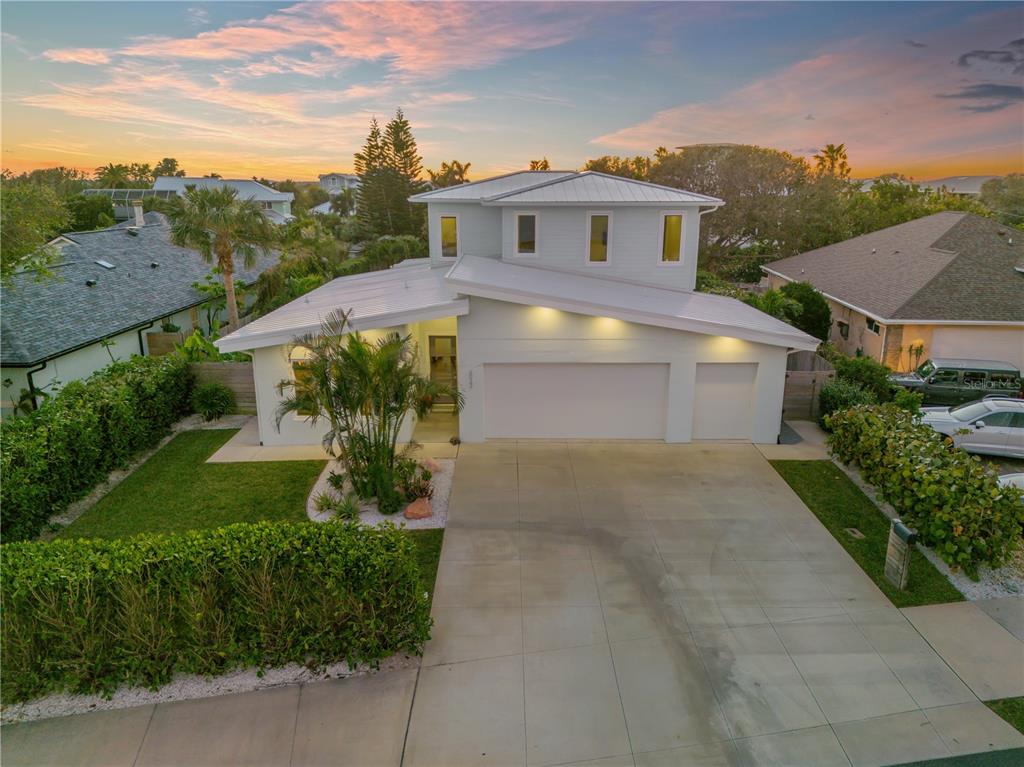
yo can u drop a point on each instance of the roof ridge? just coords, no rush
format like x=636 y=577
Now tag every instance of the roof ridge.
x=651 y=184
x=622 y=179
x=485 y=180
x=538 y=185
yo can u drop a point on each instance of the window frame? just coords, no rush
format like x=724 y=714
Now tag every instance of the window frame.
x=515 y=233
x=844 y=329
x=586 y=239
x=662 y=215
x=294 y=364
x=440 y=235
x=877 y=329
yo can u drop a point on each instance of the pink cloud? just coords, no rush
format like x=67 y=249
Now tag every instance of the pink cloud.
x=89 y=56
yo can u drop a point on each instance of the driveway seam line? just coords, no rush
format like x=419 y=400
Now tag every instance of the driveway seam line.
x=295 y=725
x=522 y=610
x=408 y=719
x=142 y=741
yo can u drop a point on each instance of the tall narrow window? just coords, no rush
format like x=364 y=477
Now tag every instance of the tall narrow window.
x=671 y=237
x=526 y=234
x=301 y=376
x=449 y=236
x=600 y=229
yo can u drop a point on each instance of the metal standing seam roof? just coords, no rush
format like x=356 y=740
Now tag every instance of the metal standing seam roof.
x=247 y=188
x=946 y=267
x=599 y=188
x=409 y=292
x=43 y=320
x=475 y=191
x=619 y=299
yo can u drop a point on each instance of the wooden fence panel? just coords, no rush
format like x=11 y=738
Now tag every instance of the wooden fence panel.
x=800 y=398
x=162 y=343
x=237 y=376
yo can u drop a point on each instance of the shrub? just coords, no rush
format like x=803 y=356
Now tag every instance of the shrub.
x=951 y=499
x=816 y=318
x=869 y=374
x=88 y=616
x=907 y=399
x=840 y=394
x=58 y=453
x=213 y=400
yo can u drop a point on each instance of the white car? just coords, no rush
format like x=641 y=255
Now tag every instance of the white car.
x=991 y=426
x=1015 y=481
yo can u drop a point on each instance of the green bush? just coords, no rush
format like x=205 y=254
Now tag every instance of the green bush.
x=816 y=317
x=869 y=374
x=951 y=499
x=88 y=616
x=840 y=394
x=906 y=399
x=213 y=400
x=58 y=453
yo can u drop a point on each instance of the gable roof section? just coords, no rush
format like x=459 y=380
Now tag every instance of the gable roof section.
x=247 y=188
x=409 y=292
x=591 y=187
x=628 y=301
x=946 y=267
x=475 y=191
x=42 y=320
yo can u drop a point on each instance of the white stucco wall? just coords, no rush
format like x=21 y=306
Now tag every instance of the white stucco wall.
x=635 y=243
x=496 y=331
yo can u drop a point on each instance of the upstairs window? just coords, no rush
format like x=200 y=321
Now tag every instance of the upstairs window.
x=449 y=236
x=873 y=326
x=599 y=232
x=526 y=234
x=671 y=237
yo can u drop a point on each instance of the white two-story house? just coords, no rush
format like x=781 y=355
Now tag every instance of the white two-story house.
x=563 y=305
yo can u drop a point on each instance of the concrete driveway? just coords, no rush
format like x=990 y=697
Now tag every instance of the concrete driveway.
x=612 y=604
x=648 y=604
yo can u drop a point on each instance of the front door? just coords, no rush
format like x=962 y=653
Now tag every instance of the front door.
x=443 y=368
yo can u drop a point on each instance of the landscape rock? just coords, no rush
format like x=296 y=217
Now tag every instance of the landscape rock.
x=419 y=509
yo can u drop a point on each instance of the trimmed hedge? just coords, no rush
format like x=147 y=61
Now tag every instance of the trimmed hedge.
x=90 y=615
x=951 y=499
x=58 y=453
x=841 y=394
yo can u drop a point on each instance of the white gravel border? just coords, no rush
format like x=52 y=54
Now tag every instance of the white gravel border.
x=991 y=584
x=369 y=516
x=192 y=687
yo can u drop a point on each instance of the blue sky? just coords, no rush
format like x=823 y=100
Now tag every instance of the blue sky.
x=287 y=89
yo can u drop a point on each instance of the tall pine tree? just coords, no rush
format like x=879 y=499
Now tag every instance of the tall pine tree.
x=389 y=169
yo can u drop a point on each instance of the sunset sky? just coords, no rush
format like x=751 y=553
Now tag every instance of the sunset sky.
x=288 y=89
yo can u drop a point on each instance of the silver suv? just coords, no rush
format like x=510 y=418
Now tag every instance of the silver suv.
x=992 y=426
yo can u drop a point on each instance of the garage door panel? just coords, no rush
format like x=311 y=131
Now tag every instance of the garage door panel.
x=575 y=401
x=723 y=402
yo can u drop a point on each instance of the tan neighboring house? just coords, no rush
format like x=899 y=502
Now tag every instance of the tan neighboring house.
x=950 y=283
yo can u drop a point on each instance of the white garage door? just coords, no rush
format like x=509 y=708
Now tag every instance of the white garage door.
x=575 y=401
x=723 y=403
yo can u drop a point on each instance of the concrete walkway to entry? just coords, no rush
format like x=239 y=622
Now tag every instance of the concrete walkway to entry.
x=603 y=604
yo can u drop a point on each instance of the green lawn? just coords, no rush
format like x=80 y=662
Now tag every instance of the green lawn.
x=428 y=554
x=840 y=504
x=176 y=491
x=1010 y=709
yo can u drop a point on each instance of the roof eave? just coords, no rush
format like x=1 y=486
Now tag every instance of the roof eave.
x=240 y=341
x=626 y=315
x=502 y=202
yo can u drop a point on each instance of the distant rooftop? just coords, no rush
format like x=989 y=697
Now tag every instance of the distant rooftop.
x=247 y=188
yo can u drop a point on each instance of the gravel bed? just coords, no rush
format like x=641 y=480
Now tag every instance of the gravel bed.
x=368 y=515
x=1007 y=581
x=191 y=687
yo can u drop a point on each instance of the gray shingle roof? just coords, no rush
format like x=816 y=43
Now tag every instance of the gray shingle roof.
x=948 y=266
x=41 y=320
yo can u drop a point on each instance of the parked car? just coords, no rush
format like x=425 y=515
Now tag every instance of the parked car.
x=1013 y=481
x=992 y=426
x=945 y=381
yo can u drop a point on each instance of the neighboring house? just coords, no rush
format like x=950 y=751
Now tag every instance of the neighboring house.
x=276 y=206
x=334 y=183
x=113 y=285
x=563 y=305
x=952 y=283
x=968 y=186
x=323 y=209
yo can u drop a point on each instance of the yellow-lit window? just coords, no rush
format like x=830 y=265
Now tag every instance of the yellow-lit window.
x=600 y=227
x=300 y=374
x=671 y=237
x=449 y=236
x=526 y=234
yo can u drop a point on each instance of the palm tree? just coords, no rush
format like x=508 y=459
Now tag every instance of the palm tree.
x=364 y=390
x=221 y=226
x=111 y=176
x=832 y=161
x=450 y=174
